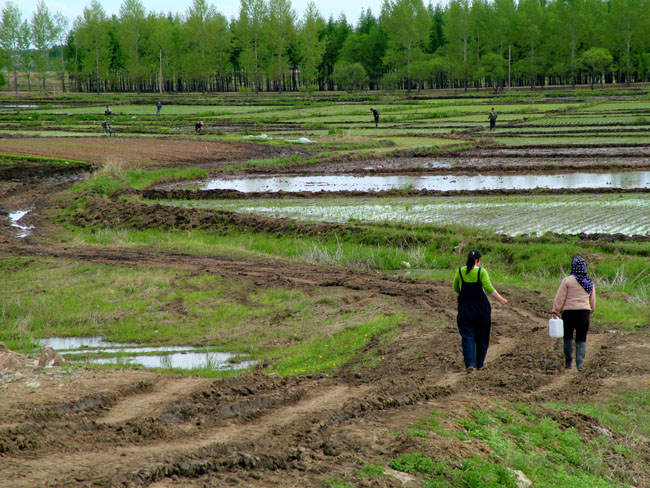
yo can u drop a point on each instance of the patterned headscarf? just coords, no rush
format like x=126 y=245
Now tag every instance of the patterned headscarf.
x=579 y=270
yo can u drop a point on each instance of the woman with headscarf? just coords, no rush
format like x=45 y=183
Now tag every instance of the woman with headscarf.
x=474 y=311
x=576 y=300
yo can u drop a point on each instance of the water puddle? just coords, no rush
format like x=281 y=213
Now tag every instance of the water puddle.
x=631 y=179
x=95 y=350
x=5 y=106
x=14 y=217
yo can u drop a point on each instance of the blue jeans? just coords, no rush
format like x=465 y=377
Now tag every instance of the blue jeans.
x=475 y=340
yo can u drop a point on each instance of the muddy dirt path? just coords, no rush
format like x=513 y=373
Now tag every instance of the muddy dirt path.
x=256 y=428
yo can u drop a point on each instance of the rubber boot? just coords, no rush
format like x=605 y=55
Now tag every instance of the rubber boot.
x=581 y=349
x=568 y=353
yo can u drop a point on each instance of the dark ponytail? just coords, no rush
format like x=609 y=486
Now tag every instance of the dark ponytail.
x=473 y=255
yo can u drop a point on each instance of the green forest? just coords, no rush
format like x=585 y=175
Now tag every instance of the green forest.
x=270 y=47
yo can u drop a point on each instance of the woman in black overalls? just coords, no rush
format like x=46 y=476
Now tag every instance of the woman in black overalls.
x=474 y=310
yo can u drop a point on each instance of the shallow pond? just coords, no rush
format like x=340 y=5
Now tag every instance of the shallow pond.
x=89 y=349
x=631 y=179
x=14 y=218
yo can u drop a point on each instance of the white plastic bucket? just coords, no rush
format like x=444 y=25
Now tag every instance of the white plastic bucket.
x=556 y=328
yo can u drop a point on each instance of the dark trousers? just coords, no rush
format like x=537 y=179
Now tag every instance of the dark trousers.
x=493 y=124
x=578 y=321
x=475 y=339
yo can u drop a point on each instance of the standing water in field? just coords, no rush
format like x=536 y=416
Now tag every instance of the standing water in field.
x=14 y=217
x=631 y=179
x=96 y=350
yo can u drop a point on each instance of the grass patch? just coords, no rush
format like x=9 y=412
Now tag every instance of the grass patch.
x=474 y=472
x=265 y=163
x=12 y=160
x=329 y=352
x=109 y=179
x=48 y=298
x=524 y=437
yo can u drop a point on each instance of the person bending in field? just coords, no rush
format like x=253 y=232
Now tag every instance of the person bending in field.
x=108 y=130
x=108 y=111
x=198 y=127
x=493 y=119
x=376 y=115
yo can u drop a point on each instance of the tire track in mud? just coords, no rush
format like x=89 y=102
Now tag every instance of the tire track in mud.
x=111 y=464
x=152 y=403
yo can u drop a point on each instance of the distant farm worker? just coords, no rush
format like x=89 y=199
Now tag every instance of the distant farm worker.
x=158 y=108
x=493 y=119
x=576 y=300
x=376 y=115
x=108 y=111
x=198 y=127
x=474 y=317
x=108 y=129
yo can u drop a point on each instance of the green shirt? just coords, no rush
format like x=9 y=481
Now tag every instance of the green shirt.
x=472 y=277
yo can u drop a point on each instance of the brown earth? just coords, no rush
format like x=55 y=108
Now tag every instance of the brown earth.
x=125 y=151
x=84 y=427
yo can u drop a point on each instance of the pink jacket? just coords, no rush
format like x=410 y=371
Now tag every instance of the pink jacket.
x=572 y=296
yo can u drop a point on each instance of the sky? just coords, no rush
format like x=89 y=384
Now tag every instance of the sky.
x=230 y=8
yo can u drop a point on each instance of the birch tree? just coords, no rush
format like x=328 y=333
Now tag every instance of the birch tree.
x=311 y=48
x=93 y=42
x=132 y=26
x=250 y=37
x=280 y=31
x=60 y=35
x=43 y=35
x=456 y=31
x=407 y=24
x=10 y=38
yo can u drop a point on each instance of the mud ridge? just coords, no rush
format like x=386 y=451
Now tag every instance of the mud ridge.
x=27 y=171
x=244 y=398
x=237 y=195
x=221 y=458
x=90 y=404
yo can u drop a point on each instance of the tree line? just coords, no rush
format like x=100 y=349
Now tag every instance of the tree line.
x=269 y=47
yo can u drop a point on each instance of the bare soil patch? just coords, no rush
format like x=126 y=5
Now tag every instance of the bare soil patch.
x=159 y=152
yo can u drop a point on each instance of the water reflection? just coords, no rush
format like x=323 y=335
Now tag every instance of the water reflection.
x=181 y=357
x=631 y=179
x=14 y=217
x=189 y=360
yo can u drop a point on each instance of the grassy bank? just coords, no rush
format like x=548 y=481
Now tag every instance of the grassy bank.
x=619 y=268
x=298 y=332
x=603 y=447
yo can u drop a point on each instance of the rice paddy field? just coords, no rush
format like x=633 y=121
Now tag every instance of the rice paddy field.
x=627 y=214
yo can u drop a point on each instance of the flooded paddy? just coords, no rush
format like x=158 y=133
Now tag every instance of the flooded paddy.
x=513 y=215
x=314 y=183
x=96 y=350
